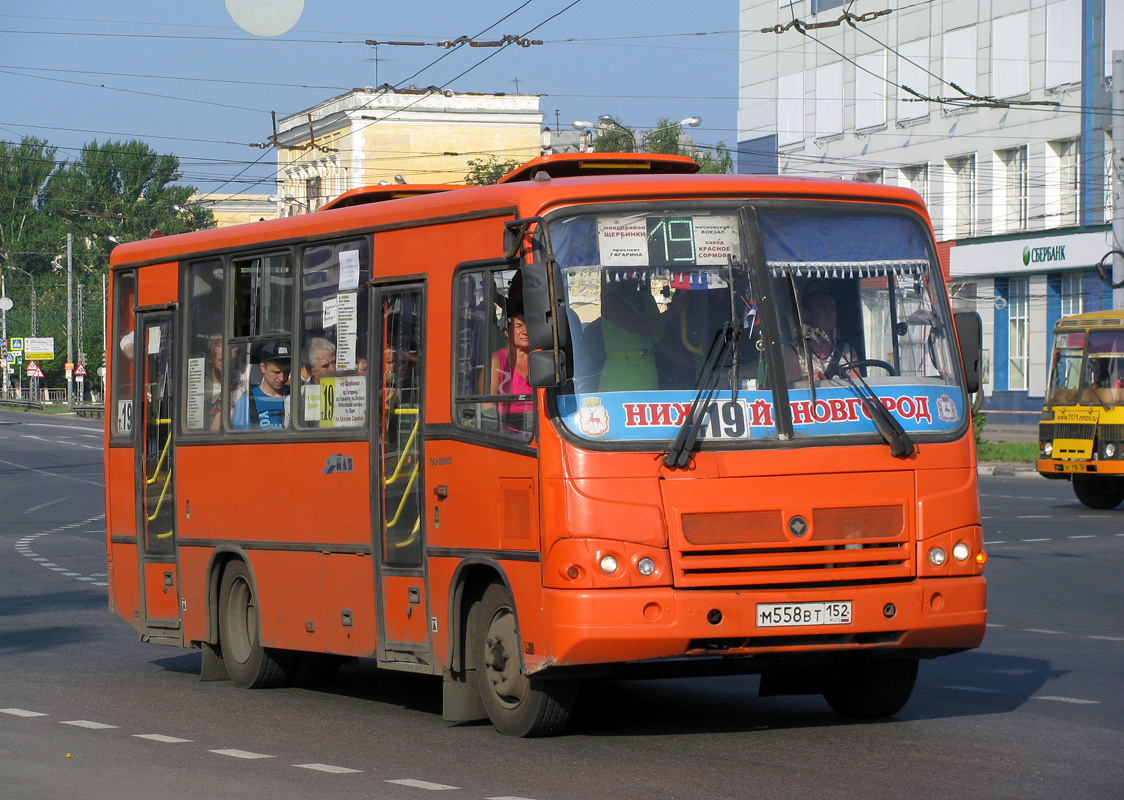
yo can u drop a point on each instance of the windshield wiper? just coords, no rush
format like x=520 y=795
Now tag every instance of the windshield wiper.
x=680 y=452
x=891 y=431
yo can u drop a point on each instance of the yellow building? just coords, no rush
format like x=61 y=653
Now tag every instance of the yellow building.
x=238 y=209
x=370 y=136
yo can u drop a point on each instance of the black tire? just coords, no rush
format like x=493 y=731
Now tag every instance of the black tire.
x=1099 y=491
x=517 y=704
x=249 y=665
x=862 y=687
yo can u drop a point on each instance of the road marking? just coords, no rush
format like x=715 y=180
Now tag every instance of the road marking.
x=1032 y=516
x=1083 y=536
x=1107 y=638
x=433 y=787
x=1074 y=700
x=996 y=541
x=85 y=723
x=994 y=625
x=1043 y=630
x=22 y=712
x=328 y=768
x=507 y=797
x=1036 y=540
x=979 y=689
x=44 y=505
x=233 y=753
x=159 y=737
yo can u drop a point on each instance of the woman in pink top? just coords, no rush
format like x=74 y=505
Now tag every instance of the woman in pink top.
x=509 y=374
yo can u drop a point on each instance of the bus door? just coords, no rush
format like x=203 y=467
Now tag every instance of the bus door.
x=396 y=416
x=154 y=402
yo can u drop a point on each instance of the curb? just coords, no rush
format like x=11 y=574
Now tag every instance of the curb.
x=1007 y=471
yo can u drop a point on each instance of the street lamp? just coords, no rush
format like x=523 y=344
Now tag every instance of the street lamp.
x=288 y=199
x=607 y=121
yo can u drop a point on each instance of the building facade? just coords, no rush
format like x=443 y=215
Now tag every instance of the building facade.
x=996 y=112
x=372 y=136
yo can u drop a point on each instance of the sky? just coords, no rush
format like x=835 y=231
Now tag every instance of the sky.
x=184 y=78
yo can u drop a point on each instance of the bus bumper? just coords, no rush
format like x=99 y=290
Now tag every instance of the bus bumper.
x=927 y=617
x=1057 y=468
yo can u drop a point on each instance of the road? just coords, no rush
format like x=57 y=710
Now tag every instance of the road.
x=87 y=711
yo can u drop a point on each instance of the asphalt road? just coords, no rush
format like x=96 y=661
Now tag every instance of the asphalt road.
x=87 y=711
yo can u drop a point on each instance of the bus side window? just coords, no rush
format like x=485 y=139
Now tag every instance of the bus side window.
x=124 y=297
x=260 y=350
x=208 y=358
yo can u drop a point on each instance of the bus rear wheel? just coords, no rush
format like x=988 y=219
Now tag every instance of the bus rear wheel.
x=249 y=665
x=1099 y=491
x=517 y=704
x=862 y=687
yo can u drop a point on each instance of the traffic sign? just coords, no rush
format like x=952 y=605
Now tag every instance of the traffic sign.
x=81 y=371
x=33 y=370
x=16 y=345
x=10 y=358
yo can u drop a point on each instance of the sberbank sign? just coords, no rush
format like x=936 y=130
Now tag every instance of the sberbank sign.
x=1037 y=255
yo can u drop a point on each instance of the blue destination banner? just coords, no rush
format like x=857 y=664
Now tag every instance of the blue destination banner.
x=633 y=416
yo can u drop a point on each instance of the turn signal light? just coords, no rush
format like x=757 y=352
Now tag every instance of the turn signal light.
x=981 y=558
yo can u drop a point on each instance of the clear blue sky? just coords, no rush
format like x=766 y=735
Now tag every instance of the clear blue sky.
x=186 y=79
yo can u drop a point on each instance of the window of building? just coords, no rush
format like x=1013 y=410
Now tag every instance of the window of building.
x=1063 y=43
x=959 y=57
x=491 y=393
x=1018 y=332
x=913 y=66
x=870 y=90
x=790 y=109
x=829 y=100
x=1010 y=55
x=1061 y=183
x=964 y=194
x=917 y=179
x=313 y=193
x=1072 y=298
x=1015 y=187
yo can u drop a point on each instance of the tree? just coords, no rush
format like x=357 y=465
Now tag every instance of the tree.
x=664 y=138
x=489 y=169
x=27 y=235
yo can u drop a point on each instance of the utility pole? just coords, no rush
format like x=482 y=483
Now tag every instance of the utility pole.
x=1118 y=177
x=70 y=320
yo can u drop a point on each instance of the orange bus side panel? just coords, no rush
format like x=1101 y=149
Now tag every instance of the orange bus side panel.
x=193 y=563
x=121 y=521
x=288 y=595
x=124 y=582
x=405 y=621
x=947 y=499
x=158 y=284
x=161 y=598
x=347 y=596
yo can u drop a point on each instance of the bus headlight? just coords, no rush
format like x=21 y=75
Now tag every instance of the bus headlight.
x=961 y=551
x=645 y=566
x=937 y=556
x=608 y=564
x=1047 y=449
x=1110 y=450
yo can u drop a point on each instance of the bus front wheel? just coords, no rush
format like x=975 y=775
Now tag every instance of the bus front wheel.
x=517 y=704
x=1099 y=491
x=861 y=687
x=249 y=665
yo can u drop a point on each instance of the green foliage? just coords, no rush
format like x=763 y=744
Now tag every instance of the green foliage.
x=120 y=189
x=720 y=162
x=1016 y=452
x=664 y=139
x=489 y=169
x=614 y=140
x=979 y=421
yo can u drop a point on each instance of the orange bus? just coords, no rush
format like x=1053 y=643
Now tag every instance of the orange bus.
x=605 y=418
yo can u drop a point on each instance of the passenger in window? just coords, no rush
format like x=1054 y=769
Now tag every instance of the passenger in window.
x=212 y=383
x=828 y=353
x=267 y=405
x=632 y=325
x=319 y=360
x=509 y=372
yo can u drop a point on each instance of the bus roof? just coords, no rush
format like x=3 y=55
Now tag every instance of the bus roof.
x=542 y=184
x=1109 y=318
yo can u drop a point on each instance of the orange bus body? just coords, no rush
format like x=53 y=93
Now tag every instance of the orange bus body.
x=532 y=519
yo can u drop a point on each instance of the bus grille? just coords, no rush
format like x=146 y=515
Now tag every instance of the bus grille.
x=757 y=548
x=1066 y=430
x=1111 y=433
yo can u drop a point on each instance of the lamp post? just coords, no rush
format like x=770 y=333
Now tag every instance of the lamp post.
x=606 y=121
x=288 y=199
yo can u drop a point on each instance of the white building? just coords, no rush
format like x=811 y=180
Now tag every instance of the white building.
x=995 y=111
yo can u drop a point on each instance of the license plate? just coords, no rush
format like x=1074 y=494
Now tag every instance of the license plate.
x=779 y=615
x=1073 y=467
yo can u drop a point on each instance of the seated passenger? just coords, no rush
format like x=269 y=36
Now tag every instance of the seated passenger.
x=631 y=326
x=267 y=405
x=818 y=307
x=508 y=373
x=319 y=360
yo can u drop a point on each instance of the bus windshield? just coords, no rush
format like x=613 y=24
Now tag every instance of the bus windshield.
x=1065 y=373
x=853 y=295
x=1104 y=371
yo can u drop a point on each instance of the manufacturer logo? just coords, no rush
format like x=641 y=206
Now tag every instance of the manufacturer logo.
x=798 y=526
x=338 y=463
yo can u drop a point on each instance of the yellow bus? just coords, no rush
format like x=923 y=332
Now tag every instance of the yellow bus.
x=1081 y=434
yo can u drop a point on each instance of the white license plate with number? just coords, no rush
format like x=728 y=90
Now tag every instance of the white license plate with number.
x=779 y=615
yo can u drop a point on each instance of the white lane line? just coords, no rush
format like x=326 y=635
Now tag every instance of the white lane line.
x=334 y=770
x=159 y=737
x=1032 y=516
x=85 y=723
x=1036 y=540
x=53 y=474
x=995 y=625
x=1107 y=638
x=433 y=787
x=22 y=712
x=234 y=753
x=979 y=689
x=1083 y=536
x=44 y=505
x=1074 y=700
x=996 y=541
x=1043 y=630
x=508 y=797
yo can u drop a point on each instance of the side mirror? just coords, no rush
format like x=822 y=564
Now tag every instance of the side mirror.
x=969 y=333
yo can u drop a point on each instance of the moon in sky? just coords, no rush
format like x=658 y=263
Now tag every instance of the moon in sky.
x=265 y=17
